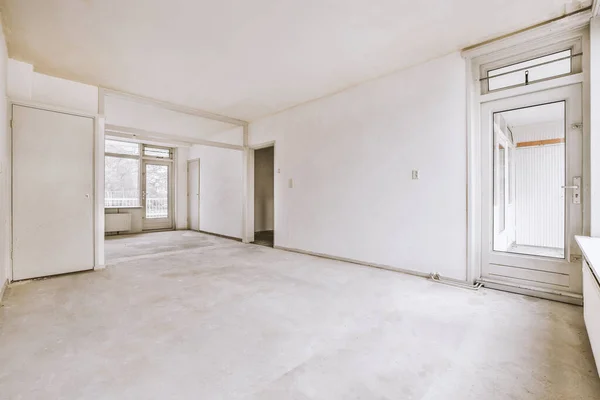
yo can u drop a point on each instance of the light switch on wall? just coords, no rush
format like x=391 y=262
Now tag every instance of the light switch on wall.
x=415 y=174
x=291 y=183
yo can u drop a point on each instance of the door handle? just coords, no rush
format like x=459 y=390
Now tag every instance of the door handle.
x=575 y=196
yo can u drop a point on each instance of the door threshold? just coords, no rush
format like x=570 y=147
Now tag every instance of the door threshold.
x=547 y=294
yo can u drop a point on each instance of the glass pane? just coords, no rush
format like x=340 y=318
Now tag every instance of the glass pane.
x=118 y=147
x=157 y=191
x=529 y=166
x=157 y=152
x=121 y=182
x=556 y=68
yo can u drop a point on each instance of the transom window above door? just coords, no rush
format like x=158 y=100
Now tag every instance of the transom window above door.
x=551 y=62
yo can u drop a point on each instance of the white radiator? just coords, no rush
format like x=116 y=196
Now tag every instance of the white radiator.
x=117 y=222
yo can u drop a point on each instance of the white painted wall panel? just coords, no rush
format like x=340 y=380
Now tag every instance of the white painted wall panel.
x=128 y=113
x=539 y=199
x=20 y=79
x=180 y=164
x=350 y=157
x=64 y=93
x=27 y=85
x=221 y=189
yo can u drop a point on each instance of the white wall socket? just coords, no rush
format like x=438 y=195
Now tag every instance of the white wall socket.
x=415 y=174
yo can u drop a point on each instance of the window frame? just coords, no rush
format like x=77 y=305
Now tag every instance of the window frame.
x=575 y=45
x=140 y=157
x=130 y=157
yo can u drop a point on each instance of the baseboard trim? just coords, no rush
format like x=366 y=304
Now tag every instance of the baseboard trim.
x=221 y=236
x=357 y=262
x=547 y=294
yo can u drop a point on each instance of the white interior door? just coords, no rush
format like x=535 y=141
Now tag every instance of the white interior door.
x=157 y=195
x=194 y=195
x=532 y=189
x=53 y=193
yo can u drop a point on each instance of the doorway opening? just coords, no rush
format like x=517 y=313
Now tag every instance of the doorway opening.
x=264 y=196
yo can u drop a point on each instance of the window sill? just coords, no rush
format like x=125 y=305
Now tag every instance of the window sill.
x=117 y=208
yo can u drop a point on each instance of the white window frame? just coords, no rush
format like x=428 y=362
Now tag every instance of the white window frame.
x=575 y=44
x=141 y=157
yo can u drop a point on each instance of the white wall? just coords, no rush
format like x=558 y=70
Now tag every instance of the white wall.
x=27 y=85
x=125 y=112
x=350 y=157
x=180 y=195
x=221 y=189
x=264 y=189
x=5 y=196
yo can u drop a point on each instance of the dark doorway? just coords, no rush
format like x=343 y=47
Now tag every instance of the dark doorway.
x=264 y=196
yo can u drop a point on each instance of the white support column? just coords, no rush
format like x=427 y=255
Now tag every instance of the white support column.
x=594 y=149
x=246 y=237
x=99 y=262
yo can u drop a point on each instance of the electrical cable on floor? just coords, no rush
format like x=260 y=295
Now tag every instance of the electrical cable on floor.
x=437 y=278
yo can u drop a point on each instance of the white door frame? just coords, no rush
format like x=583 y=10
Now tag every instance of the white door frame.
x=98 y=173
x=573 y=28
x=189 y=223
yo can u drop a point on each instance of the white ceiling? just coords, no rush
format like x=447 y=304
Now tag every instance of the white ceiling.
x=248 y=59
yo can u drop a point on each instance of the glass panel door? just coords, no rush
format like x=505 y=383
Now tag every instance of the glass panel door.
x=156 y=195
x=532 y=184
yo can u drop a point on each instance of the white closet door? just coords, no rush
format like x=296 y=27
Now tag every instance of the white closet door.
x=53 y=187
x=194 y=194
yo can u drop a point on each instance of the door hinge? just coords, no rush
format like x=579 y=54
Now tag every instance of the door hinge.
x=578 y=125
x=11 y=124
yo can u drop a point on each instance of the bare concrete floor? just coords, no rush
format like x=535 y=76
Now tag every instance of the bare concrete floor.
x=235 y=321
x=123 y=247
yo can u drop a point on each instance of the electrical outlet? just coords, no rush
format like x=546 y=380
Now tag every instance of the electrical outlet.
x=415 y=174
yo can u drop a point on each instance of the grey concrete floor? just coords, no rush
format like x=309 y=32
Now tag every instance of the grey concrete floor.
x=122 y=247
x=235 y=321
